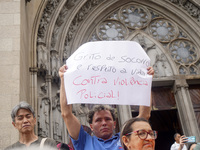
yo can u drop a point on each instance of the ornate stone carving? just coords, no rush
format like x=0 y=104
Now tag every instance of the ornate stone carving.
x=193 y=70
x=88 y=6
x=163 y=30
x=46 y=17
x=182 y=34
x=183 y=70
x=60 y=20
x=81 y=111
x=190 y=7
x=135 y=17
x=112 y=30
x=43 y=113
x=56 y=101
x=158 y=59
x=183 y=51
x=55 y=63
x=42 y=53
x=144 y=45
x=161 y=66
x=57 y=119
x=198 y=65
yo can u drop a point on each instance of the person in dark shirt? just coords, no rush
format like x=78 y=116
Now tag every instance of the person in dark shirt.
x=24 y=120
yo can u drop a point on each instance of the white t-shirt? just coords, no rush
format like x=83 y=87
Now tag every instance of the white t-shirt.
x=175 y=146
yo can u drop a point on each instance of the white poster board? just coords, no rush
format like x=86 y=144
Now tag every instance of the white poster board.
x=108 y=72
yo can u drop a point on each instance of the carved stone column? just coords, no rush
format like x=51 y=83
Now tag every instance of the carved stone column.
x=48 y=79
x=185 y=109
x=33 y=93
x=124 y=113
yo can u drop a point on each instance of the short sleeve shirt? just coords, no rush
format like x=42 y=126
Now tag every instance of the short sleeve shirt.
x=88 y=142
x=175 y=146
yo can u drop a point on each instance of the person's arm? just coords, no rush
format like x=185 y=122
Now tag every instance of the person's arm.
x=72 y=123
x=182 y=142
x=145 y=111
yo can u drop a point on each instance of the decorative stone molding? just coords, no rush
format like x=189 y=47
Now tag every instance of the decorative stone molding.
x=46 y=18
x=57 y=121
x=88 y=6
x=33 y=69
x=42 y=57
x=60 y=20
x=55 y=64
x=43 y=113
x=191 y=7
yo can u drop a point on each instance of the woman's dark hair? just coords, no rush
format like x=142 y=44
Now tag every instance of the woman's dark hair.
x=126 y=128
x=191 y=145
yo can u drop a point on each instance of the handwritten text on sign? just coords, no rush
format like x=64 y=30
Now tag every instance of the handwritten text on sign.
x=108 y=72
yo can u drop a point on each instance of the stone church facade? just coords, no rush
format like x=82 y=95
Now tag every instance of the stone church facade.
x=37 y=37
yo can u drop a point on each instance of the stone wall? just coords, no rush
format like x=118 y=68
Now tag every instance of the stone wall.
x=10 y=67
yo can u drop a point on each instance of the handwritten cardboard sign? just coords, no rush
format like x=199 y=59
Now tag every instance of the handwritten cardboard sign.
x=108 y=72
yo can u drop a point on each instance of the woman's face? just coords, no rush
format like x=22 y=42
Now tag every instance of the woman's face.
x=133 y=142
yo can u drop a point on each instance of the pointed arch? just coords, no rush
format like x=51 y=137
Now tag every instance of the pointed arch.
x=156 y=52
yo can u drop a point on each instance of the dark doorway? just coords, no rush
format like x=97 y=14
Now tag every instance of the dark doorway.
x=166 y=122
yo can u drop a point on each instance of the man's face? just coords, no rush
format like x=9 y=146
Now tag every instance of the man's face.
x=24 y=121
x=103 y=124
x=178 y=136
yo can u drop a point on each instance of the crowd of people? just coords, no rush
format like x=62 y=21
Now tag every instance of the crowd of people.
x=136 y=133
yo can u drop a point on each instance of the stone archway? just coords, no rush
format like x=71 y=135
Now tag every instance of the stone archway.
x=65 y=25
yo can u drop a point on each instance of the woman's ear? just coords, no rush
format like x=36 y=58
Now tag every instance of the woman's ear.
x=125 y=140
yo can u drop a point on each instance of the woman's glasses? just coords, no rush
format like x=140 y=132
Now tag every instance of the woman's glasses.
x=143 y=134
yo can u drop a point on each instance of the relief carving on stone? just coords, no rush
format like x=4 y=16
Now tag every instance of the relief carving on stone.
x=88 y=6
x=42 y=53
x=44 y=111
x=81 y=111
x=55 y=64
x=134 y=17
x=183 y=51
x=60 y=20
x=190 y=7
x=159 y=61
x=57 y=119
x=46 y=17
x=112 y=30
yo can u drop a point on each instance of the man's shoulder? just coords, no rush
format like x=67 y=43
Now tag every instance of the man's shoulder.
x=49 y=142
x=173 y=146
x=15 y=145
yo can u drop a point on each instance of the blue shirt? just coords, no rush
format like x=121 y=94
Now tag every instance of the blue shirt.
x=88 y=142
